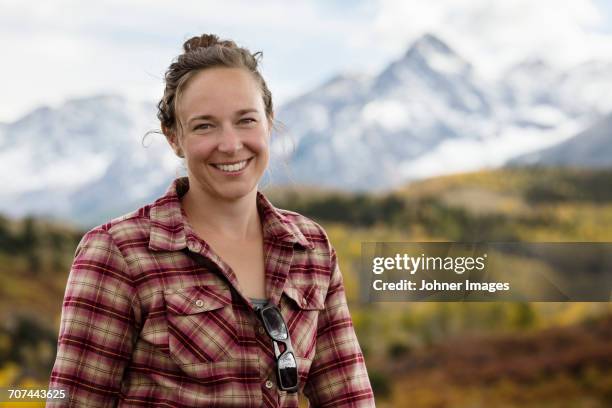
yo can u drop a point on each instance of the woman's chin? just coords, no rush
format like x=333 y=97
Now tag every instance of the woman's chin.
x=234 y=192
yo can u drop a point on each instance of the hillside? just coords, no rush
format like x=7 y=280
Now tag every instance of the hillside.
x=557 y=367
x=399 y=340
x=514 y=204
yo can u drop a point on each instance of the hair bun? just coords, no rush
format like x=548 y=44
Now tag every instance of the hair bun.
x=204 y=41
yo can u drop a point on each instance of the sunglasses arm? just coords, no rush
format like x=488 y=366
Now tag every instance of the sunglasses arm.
x=277 y=351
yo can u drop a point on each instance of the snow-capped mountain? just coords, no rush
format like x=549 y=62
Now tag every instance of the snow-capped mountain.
x=427 y=113
x=70 y=160
x=591 y=148
x=430 y=113
x=362 y=140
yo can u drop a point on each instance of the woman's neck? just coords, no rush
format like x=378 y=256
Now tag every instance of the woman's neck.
x=236 y=220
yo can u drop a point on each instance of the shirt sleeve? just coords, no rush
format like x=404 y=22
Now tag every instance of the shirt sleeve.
x=97 y=326
x=338 y=375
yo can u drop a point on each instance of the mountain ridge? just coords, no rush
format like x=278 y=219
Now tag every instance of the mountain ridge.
x=425 y=114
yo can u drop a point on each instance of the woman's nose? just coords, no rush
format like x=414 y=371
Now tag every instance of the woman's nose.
x=230 y=141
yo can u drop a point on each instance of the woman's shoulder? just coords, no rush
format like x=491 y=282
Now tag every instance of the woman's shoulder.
x=124 y=226
x=162 y=215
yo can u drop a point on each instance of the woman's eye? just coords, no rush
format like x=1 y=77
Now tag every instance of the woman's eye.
x=202 y=126
x=247 y=120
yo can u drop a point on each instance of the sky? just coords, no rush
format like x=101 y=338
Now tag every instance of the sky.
x=59 y=49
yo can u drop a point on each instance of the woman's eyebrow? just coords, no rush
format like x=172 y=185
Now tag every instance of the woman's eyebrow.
x=210 y=117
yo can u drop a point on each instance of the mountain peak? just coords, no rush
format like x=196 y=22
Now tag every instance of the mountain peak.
x=530 y=65
x=428 y=43
x=354 y=78
x=429 y=52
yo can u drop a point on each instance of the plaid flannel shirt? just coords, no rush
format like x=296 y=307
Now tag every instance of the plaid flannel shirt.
x=153 y=317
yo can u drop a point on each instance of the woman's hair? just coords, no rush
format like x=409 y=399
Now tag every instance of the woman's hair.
x=206 y=51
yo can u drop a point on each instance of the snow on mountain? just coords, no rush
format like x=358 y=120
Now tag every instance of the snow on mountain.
x=430 y=113
x=417 y=101
x=430 y=65
x=56 y=161
x=590 y=148
x=318 y=110
x=529 y=83
x=427 y=113
x=581 y=91
x=586 y=89
x=458 y=155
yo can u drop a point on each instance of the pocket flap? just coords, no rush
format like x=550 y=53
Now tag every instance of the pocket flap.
x=308 y=297
x=197 y=299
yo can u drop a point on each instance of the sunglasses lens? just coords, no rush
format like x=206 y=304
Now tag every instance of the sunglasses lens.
x=287 y=370
x=275 y=324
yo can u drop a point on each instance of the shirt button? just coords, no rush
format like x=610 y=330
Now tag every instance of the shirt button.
x=199 y=303
x=261 y=330
x=269 y=384
x=195 y=245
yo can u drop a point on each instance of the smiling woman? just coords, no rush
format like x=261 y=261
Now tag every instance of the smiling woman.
x=210 y=296
x=223 y=132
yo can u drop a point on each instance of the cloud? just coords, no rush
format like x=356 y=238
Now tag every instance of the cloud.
x=57 y=49
x=63 y=48
x=495 y=34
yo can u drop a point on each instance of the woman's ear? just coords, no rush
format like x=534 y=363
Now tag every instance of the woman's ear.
x=270 y=126
x=173 y=141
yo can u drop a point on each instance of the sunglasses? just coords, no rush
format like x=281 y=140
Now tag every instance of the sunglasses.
x=286 y=365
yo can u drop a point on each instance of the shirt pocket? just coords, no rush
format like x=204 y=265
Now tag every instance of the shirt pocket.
x=301 y=306
x=201 y=325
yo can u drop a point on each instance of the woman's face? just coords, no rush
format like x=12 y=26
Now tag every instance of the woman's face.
x=225 y=133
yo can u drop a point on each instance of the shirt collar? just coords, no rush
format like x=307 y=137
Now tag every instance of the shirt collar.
x=169 y=225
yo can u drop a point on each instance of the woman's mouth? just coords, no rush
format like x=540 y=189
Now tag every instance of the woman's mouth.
x=234 y=167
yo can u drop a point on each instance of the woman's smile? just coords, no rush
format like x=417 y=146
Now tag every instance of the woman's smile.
x=232 y=168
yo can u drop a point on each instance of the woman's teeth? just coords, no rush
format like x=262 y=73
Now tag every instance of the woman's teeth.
x=232 y=167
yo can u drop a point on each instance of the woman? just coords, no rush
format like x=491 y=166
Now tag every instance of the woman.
x=210 y=296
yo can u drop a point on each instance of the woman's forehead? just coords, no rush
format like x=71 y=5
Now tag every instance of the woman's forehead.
x=220 y=92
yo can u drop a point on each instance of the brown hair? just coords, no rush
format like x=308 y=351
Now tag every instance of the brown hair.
x=206 y=51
